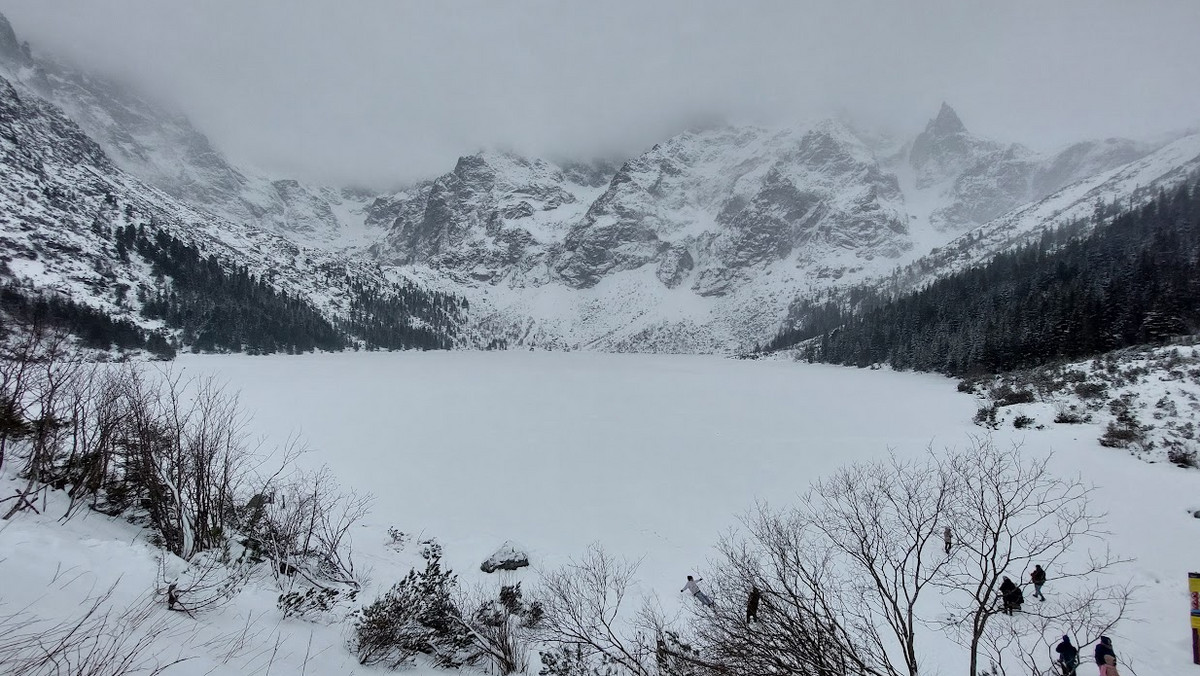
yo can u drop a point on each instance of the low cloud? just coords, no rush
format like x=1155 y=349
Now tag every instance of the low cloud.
x=379 y=92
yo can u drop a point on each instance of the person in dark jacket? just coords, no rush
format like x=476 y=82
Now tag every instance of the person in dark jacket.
x=1068 y=656
x=1038 y=578
x=752 y=605
x=1010 y=596
x=1104 y=647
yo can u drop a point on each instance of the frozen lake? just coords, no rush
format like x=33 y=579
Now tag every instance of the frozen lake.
x=655 y=456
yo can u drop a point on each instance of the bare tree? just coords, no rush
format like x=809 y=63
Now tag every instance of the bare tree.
x=586 y=607
x=303 y=525
x=807 y=621
x=41 y=374
x=1010 y=513
x=880 y=519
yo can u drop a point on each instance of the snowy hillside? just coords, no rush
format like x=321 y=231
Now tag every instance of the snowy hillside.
x=63 y=203
x=162 y=147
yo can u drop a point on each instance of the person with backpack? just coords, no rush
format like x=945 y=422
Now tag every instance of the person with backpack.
x=1068 y=656
x=1038 y=578
x=1010 y=596
x=695 y=589
x=1104 y=651
x=752 y=605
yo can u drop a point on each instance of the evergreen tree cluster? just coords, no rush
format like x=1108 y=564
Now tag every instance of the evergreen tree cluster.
x=223 y=310
x=1132 y=280
x=220 y=309
x=407 y=318
x=94 y=328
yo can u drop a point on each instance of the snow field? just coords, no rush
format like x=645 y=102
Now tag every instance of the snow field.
x=651 y=456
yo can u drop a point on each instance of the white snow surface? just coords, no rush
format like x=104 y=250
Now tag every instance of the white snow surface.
x=652 y=456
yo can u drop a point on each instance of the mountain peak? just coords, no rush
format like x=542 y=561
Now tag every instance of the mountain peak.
x=10 y=48
x=946 y=123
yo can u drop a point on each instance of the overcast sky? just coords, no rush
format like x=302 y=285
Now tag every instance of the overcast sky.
x=379 y=91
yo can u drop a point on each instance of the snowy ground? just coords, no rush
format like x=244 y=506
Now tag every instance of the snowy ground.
x=652 y=456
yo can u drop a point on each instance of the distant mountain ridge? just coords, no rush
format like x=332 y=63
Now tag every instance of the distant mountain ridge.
x=700 y=243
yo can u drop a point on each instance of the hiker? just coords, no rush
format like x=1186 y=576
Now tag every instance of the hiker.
x=1038 y=578
x=948 y=536
x=1104 y=649
x=695 y=589
x=1109 y=668
x=1010 y=596
x=752 y=605
x=1068 y=656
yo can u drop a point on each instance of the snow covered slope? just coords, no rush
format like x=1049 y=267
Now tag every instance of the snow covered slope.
x=161 y=147
x=63 y=200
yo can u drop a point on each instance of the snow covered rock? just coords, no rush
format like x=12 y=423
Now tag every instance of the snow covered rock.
x=508 y=557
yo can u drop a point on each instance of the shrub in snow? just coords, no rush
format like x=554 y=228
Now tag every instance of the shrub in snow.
x=1006 y=395
x=567 y=660
x=1123 y=432
x=314 y=603
x=502 y=628
x=1068 y=415
x=397 y=538
x=1022 y=421
x=986 y=416
x=1090 y=390
x=303 y=527
x=1181 y=456
x=417 y=616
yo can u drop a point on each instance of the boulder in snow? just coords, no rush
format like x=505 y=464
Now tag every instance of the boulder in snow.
x=508 y=557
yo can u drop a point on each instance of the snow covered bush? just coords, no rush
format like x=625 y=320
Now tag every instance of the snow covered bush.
x=503 y=627
x=417 y=616
x=1183 y=457
x=303 y=525
x=314 y=603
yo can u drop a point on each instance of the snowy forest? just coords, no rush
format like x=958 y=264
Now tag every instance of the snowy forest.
x=1079 y=291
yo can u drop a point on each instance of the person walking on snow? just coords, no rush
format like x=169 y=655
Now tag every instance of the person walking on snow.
x=1010 y=596
x=948 y=536
x=1104 y=650
x=695 y=589
x=1068 y=656
x=1038 y=578
x=752 y=605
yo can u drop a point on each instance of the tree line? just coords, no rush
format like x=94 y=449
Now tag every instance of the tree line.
x=229 y=309
x=1079 y=291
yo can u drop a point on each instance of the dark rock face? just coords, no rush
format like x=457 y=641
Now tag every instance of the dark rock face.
x=10 y=48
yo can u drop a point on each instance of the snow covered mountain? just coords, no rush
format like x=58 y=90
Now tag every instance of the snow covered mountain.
x=64 y=205
x=972 y=180
x=700 y=243
x=162 y=147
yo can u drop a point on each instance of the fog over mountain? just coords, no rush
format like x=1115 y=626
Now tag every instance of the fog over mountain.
x=381 y=93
